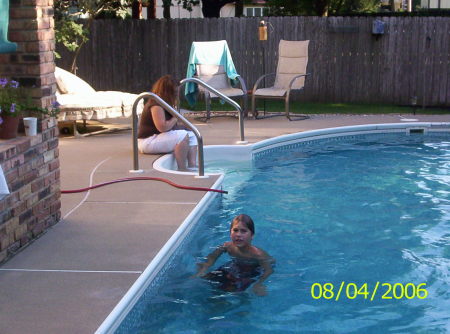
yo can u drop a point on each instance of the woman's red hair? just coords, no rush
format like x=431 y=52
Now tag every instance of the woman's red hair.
x=166 y=88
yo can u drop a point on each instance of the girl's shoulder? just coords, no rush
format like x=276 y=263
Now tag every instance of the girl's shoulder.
x=261 y=254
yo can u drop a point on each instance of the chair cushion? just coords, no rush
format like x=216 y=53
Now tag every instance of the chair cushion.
x=283 y=79
x=213 y=75
x=292 y=61
x=270 y=91
x=60 y=86
x=127 y=103
x=229 y=92
x=293 y=49
x=86 y=101
x=68 y=83
x=208 y=70
x=96 y=105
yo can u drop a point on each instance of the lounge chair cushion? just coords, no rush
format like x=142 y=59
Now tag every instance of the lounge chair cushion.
x=69 y=83
x=78 y=100
x=76 y=106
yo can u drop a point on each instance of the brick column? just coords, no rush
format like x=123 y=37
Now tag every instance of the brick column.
x=31 y=27
x=30 y=164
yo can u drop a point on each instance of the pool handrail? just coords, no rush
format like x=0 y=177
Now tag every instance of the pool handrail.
x=223 y=97
x=174 y=113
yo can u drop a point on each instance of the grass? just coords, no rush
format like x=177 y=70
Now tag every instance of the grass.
x=324 y=108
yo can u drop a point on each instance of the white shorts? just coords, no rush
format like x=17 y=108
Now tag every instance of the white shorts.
x=165 y=142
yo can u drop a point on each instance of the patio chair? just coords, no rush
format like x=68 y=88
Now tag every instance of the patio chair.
x=211 y=62
x=290 y=75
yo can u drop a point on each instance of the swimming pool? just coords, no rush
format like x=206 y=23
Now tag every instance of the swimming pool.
x=350 y=211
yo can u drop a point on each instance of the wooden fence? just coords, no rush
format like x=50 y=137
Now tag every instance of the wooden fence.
x=347 y=62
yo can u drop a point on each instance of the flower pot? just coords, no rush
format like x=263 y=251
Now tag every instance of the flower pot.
x=9 y=127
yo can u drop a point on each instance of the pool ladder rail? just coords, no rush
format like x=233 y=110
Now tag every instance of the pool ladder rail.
x=189 y=125
x=174 y=113
x=223 y=97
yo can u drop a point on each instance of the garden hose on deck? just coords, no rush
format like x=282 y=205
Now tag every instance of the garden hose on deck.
x=143 y=178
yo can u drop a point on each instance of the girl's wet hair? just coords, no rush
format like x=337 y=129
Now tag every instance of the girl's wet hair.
x=246 y=220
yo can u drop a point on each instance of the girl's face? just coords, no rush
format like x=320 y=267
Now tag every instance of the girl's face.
x=241 y=236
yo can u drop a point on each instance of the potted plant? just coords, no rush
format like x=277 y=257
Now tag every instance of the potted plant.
x=10 y=96
x=14 y=102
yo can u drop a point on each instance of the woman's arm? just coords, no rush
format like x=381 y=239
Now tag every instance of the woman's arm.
x=210 y=260
x=159 y=118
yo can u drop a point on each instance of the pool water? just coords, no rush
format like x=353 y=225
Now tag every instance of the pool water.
x=339 y=213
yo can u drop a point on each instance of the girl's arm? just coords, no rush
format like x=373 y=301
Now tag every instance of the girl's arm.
x=267 y=264
x=159 y=118
x=210 y=260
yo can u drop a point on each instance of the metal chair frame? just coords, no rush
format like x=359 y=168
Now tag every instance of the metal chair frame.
x=285 y=97
x=208 y=97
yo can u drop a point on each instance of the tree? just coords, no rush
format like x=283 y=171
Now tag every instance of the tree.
x=73 y=34
x=187 y=4
x=239 y=8
x=136 y=9
x=166 y=8
x=321 y=7
x=211 y=8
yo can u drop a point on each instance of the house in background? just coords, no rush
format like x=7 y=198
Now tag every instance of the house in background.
x=435 y=4
x=253 y=8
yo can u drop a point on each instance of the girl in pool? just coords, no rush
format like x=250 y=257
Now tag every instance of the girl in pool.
x=249 y=264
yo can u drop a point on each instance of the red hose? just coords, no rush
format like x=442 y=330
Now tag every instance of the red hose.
x=142 y=178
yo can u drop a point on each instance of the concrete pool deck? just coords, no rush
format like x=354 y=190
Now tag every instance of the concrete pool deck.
x=70 y=279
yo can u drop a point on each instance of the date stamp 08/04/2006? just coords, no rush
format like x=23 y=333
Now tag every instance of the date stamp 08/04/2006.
x=379 y=290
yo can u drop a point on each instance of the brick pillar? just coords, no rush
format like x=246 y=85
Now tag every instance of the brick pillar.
x=31 y=27
x=30 y=164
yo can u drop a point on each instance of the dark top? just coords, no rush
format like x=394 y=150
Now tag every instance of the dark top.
x=235 y=275
x=147 y=127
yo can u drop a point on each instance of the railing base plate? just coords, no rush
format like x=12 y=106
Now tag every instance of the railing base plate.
x=136 y=171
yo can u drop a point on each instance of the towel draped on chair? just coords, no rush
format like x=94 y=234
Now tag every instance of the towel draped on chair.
x=210 y=53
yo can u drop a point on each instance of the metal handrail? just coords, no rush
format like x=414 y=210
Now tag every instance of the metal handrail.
x=174 y=113
x=223 y=97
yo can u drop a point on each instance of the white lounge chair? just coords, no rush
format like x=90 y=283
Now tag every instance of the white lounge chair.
x=290 y=75
x=79 y=101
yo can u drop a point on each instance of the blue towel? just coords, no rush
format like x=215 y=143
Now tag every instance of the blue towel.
x=208 y=53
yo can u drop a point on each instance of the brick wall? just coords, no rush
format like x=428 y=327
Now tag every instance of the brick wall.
x=31 y=169
x=30 y=164
x=31 y=27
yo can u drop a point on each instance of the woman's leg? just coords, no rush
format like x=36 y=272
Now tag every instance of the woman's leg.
x=192 y=156
x=178 y=141
x=181 y=152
